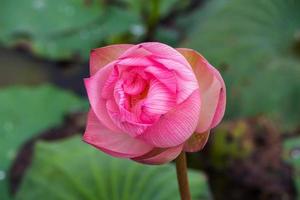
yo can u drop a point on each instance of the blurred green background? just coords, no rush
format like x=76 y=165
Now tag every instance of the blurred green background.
x=44 y=52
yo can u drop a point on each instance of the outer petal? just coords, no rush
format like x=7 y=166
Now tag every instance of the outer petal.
x=159 y=156
x=114 y=143
x=212 y=88
x=94 y=86
x=196 y=142
x=135 y=61
x=102 y=56
x=157 y=49
x=176 y=126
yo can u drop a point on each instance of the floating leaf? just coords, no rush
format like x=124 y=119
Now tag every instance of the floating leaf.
x=257 y=47
x=25 y=112
x=60 y=29
x=73 y=170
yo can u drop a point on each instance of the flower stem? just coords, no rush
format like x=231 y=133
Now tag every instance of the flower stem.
x=182 y=177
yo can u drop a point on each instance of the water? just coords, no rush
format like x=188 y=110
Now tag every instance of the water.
x=20 y=68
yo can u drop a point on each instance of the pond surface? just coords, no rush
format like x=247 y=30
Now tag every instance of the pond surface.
x=20 y=68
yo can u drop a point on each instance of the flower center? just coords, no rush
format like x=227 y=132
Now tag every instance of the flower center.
x=134 y=99
x=135 y=87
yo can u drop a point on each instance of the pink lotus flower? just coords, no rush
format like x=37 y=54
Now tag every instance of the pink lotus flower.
x=150 y=101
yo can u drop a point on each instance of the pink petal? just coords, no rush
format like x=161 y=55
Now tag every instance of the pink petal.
x=121 y=98
x=94 y=86
x=181 y=70
x=176 y=126
x=222 y=101
x=185 y=78
x=125 y=120
x=212 y=88
x=168 y=78
x=196 y=142
x=159 y=156
x=114 y=143
x=134 y=84
x=159 y=99
x=136 y=51
x=157 y=49
x=109 y=83
x=102 y=56
x=135 y=61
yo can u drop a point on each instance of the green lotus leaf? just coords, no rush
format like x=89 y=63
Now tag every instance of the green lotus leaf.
x=24 y=112
x=62 y=29
x=71 y=169
x=256 y=45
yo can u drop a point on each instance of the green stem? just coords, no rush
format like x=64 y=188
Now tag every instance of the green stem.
x=182 y=177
